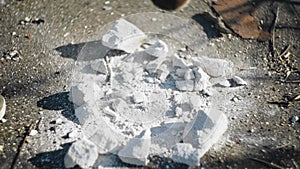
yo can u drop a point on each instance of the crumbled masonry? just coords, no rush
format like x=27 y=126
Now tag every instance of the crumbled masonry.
x=147 y=100
x=83 y=153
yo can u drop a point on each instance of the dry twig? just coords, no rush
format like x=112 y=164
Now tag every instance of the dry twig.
x=268 y=163
x=22 y=145
x=274 y=51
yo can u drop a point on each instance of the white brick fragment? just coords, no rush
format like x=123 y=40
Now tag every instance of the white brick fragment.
x=185 y=153
x=154 y=65
x=222 y=82
x=179 y=62
x=214 y=67
x=189 y=74
x=123 y=35
x=239 y=81
x=195 y=101
x=205 y=130
x=139 y=97
x=2 y=107
x=185 y=85
x=201 y=79
x=163 y=72
x=180 y=72
x=158 y=49
x=99 y=65
x=82 y=153
x=137 y=149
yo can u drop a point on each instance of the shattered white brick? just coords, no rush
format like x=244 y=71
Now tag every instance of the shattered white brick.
x=179 y=62
x=205 y=130
x=201 y=79
x=195 y=101
x=185 y=85
x=82 y=114
x=239 y=81
x=139 y=97
x=214 y=67
x=82 y=153
x=185 y=153
x=181 y=72
x=163 y=72
x=158 y=49
x=99 y=65
x=76 y=95
x=2 y=107
x=103 y=135
x=123 y=35
x=189 y=74
x=136 y=150
x=222 y=82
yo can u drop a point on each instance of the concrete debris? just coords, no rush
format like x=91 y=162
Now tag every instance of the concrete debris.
x=239 y=81
x=214 y=67
x=205 y=130
x=123 y=35
x=158 y=49
x=179 y=62
x=148 y=91
x=137 y=149
x=189 y=74
x=82 y=153
x=99 y=65
x=185 y=153
x=2 y=107
x=201 y=79
x=185 y=85
x=221 y=82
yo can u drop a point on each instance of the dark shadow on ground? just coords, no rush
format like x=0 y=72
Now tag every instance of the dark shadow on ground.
x=208 y=23
x=51 y=160
x=59 y=102
x=83 y=51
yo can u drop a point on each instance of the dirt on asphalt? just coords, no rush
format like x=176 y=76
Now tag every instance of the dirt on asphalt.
x=36 y=82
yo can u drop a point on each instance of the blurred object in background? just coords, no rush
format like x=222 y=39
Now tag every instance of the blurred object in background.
x=170 y=4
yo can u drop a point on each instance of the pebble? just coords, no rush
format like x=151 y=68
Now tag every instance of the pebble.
x=107 y=8
x=294 y=119
x=33 y=132
x=107 y=2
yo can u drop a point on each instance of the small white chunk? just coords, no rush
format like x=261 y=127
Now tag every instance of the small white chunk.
x=214 y=67
x=179 y=62
x=201 y=79
x=99 y=65
x=163 y=72
x=185 y=85
x=205 y=130
x=123 y=35
x=239 y=81
x=189 y=74
x=158 y=49
x=139 y=97
x=33 y=132
x=2 y=107
x=185 y=153
x=136 y=150
x=82 y=153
